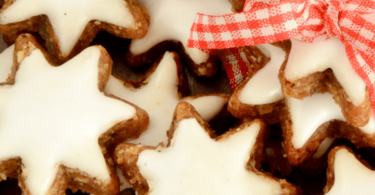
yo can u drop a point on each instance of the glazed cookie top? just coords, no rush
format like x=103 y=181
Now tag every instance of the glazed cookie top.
x=308 y=58
x=225 y=160
x=264 y=87
x=68 y=17
x=350 y=175
x=323 y=147
x=57 y=114
x=159 y=98
x=172 y=20
x=321 y=108
x=6 y=61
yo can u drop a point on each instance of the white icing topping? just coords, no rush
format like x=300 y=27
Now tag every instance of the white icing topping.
x=159 y=98
x=68 y=17
x=307 y=58
x=351 y=176
x=308 y=114
x=55 y=115
x=172 y=20
x=194 y=159
x=324 y=146
x=6 y=62
x=264 y=87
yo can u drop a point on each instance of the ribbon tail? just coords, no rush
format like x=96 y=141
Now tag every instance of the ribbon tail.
x=364 y=65
x=236 y=65
x=246 y=28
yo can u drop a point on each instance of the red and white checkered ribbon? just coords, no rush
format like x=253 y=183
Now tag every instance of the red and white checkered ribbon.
x=236 y=65
x=304 y=20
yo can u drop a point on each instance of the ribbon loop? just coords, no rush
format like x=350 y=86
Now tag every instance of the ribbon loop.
x=266 y=21
x=330 y=18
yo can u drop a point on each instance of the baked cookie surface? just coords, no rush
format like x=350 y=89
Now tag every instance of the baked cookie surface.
x=57 y=121
x=260 y=95
x=197 y=161
x=68 y=26
x=323 y=66
x=158 y=93
x=170 y=23
x=309 y=122
x=348 y=174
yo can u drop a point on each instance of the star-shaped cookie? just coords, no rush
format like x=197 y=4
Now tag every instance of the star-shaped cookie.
x=158 y=93
x=6 y=61
x=347 y=174
x=307 y=123
x=323 y=66
x=260 y=95
x=196 y=161
x=58 y=129
x=69 y=26
x=305 y=135
x=170 y=23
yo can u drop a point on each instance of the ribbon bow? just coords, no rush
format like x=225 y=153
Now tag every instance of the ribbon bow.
x=304 y=20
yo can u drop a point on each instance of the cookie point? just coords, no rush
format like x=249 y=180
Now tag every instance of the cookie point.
x=184 y=110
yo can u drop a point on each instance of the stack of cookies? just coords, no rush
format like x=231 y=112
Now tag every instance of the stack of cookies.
x=83 y=127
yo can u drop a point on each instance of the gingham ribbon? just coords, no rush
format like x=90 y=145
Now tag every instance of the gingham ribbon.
x=236 y=65
x=304 y=20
